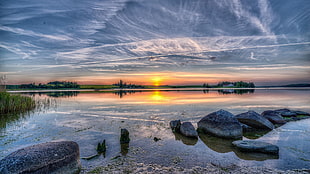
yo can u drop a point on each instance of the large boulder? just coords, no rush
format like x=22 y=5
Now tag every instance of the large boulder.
x=274 y=117
x=256 y=146
x=188 y=130
x=51 y=157
x=255 y=120
x=222 y=124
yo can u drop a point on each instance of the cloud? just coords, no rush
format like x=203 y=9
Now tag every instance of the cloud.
x=73 y=38
x=35 y=34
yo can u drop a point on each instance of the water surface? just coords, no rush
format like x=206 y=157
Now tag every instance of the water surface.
x=90 y=117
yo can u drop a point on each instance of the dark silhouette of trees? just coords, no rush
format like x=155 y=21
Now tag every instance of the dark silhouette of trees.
x=122 y=84
x=206 y=85
x=52 y=85
x=239 y=84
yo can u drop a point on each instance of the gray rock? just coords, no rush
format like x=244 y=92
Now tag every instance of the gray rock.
x=188 y=130
x=282 y=110
x=124 y=136
x=51 y=157
x=255 y=120
x=301 y=113
x=286 y=113
x=175 y=125
x=256 y=146
x=274 y=117
x=247 y=128
x=222 y=124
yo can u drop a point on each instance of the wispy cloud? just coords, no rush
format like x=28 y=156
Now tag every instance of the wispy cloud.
x=35 y=34
x=105 y=38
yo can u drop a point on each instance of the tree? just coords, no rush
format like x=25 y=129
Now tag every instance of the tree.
x=206 y=85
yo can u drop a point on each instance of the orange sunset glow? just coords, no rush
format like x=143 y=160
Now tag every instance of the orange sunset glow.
x=158 y=78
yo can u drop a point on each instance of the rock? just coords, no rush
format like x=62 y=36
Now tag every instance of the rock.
x=175 y=125
x=301 y=113
x=101 y=147
x=51 y=157
x=247 y=128
x=286 y=113
x=255 y=120
x=221 y=145
x=124 y=149
x=124 y=136
x=156 y=139
x=188 y=130
x=222 y=124
x=282 y=110
x=273 y=116
x=256 y=146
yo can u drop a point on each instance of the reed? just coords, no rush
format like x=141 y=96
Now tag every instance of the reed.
x=11 y=103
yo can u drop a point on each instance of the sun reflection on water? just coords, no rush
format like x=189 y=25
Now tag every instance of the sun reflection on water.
x=157 y=96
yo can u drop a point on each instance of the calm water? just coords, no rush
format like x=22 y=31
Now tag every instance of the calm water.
x=90 y=117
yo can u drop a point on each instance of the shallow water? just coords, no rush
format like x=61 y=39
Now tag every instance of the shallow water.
x=90 y=117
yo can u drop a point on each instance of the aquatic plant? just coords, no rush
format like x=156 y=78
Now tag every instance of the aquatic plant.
x=11 y=103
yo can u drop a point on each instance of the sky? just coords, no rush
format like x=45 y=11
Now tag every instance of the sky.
x=175 y=42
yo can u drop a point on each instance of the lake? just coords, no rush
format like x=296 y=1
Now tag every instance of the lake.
x=88 y=117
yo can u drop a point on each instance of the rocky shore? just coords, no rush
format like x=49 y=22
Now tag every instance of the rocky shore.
x=127 y=165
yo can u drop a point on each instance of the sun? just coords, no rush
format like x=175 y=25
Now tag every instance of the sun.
x=156 y=81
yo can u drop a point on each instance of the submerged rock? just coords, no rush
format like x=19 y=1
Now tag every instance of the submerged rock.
x=256 y=146
x=51 y=157
x=255 y=120
x=124 y=136
x=175 y=125
x=222 y=124
x=188 y=130
x=273 y=117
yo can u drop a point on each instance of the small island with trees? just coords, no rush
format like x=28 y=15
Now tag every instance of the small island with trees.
x=227 y=84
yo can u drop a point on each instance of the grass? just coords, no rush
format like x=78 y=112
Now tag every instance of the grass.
x=15 y=103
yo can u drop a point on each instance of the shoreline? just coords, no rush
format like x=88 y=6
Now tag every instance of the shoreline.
x=153 y=89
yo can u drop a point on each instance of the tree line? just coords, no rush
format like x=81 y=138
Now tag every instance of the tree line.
x=239 y=84
x=51 y=85
x=122 y=84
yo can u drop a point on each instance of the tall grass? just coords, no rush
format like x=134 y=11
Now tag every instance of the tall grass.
x=10 y=103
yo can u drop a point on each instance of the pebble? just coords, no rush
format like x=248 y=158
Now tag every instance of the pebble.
x=124 y=165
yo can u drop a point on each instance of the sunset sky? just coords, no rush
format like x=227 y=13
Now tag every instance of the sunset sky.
x=159 y=42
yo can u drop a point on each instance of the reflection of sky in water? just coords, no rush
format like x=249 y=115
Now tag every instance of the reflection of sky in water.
x=88 y=118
